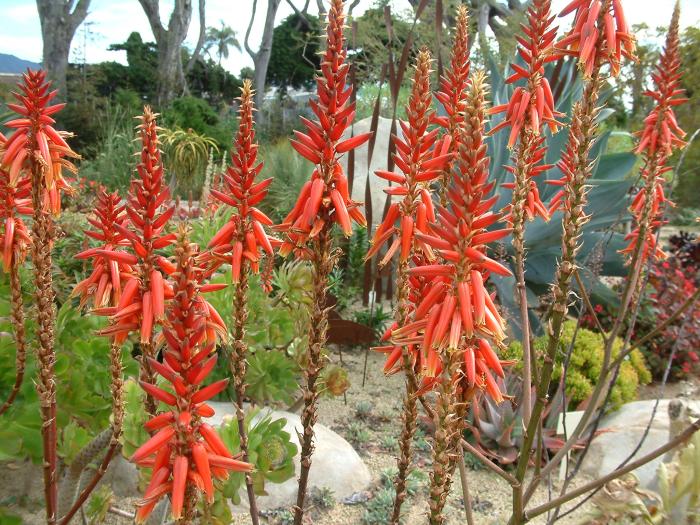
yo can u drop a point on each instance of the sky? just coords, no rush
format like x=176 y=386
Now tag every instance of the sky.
x=111 y=21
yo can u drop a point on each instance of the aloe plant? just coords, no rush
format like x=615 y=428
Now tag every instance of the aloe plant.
x=611 y=182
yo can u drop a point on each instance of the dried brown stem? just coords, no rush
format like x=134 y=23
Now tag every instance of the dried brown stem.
x=42 y=239
x=448 y=425
x=17 y=318
x=409 y=416
x=518 y=217
x=323 y=261
x=465 y=486
x=237 y=364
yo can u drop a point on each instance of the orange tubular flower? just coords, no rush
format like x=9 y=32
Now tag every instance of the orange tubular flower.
x=15 y=200
x=142 y=301
x=244 y=234
x=35 y=125
x=453 y=88
x=184 y=453
x=420 y=157
x=104 y=285
x=325 y=198
x=457 y=314
x=582 y=41
x=657 y=140
x=532 y=106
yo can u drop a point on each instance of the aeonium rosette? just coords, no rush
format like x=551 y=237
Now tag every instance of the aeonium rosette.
x=184 y=452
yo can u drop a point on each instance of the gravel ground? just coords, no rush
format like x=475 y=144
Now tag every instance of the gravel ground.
x=371 y=429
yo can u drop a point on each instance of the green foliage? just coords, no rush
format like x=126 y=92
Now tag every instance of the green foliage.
x=99 y=503
x=686 y=192
x=585 y=366
x=324 y=497
x=289 y=172
x=82 y=362
x=294 y=55
x=271 y=376
x=185 y=158
x=378 y=509
x=221 y=39
x=269 y=449
x=190 y=113
x=134 y=434
x=357 y=434
x=113 y=160
x=376 y=318
x=363 y=409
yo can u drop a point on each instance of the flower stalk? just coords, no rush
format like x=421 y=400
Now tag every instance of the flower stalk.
x=421 y=158
x=324 y=200
x=15 y=240
x=35 y=146
x=185 y=454
x=529 y=110
x=241 y=242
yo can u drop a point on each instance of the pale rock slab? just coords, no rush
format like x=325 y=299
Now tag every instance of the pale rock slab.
x=335 y=464
x=624 y=429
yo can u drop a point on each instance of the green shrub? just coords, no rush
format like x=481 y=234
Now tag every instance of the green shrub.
x=585 y=365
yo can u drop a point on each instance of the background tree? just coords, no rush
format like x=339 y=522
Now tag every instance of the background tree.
x=294 y=56
x=169 y=42
x=686 y=194
x=142 y=60
x=261 y=57
x=59 y=20
x=221 y=39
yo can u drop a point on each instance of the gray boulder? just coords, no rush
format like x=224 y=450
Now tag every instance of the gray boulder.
x=623 y=431
x=335 y=464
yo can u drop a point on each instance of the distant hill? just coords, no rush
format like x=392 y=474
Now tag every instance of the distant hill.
x=14 y=65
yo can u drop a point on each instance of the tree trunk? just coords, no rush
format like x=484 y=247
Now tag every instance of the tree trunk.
x=261 y=58
x=169 y=42
x=58 y=26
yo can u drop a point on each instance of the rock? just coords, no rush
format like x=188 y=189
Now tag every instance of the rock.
x=379 y=162
x=335 y=464
x=623 y=431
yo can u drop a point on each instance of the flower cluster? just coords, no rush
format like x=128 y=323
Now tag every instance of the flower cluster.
x=185 y=453
x=420 y=156
x=657 y=140
x=104 y=284
x=36 y=140
x=244 y=234
x=142 y=301
x=530 y=109
x=457 y=314
x=453 y=88
x=15 y=200
x=532 y=106
x=325 y=199
x=583 y=39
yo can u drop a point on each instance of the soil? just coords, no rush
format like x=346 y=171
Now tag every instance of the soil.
x=369 y=418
